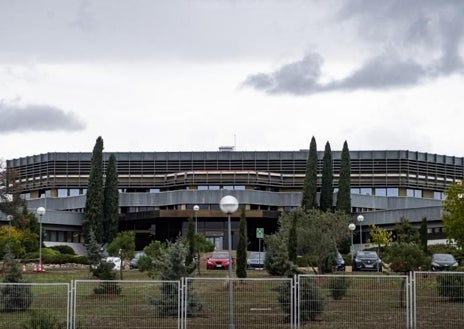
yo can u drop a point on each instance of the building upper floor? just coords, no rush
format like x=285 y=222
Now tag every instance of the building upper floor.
x=382 y=173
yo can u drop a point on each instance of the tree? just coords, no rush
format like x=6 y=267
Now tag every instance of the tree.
x=110 y=201
x=292 y=240
x=202 y=244
x=155 y=250
x=406 y=233
x=318 y=236
x=10 y=200
x=277 y=261
x=423 y=232
x=123 y=246
x=93 y=251
x=94 y=200
x=240 y=270
x=309 y=199
x=344 y=181
x=405 y=257
x=453 y=213
x=14 y=298
x=171 y=266
x=379 y=237
x=191 y=241
x=326 y=202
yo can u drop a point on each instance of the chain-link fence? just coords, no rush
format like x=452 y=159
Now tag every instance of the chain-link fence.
x=256 y=303
x=422 y=300
x=353 y=301
x=23 y=305
x=126 y=304
x=438 y=300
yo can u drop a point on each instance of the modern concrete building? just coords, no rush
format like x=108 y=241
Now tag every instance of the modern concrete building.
x=158 y=190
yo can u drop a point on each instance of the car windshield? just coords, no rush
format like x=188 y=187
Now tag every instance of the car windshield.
x=219 y=255
x=367 y=254
x=443 y=257
x=256 y=255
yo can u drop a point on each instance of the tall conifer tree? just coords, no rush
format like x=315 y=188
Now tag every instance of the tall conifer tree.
x=111 y=201
x=94 y=200
x=309 y=199
x=327 y=180
x=242 y=247
x=344 y=181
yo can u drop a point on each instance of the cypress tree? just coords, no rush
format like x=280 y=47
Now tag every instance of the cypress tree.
x=191 y=241
x=242 y=247
x=423 y=234
x=94 y=200
x=292 y=239
x=111 y=201
x=309 y=199
x=344 y=181
x=327 y=180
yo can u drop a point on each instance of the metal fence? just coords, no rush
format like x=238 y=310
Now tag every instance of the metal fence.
x=438 y=300
x=353 y=301
x=126 y=304
x=421 y=300
x=23 y=303
x=256 y=303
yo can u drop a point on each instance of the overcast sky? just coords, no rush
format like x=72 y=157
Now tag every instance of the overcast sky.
x=193 y=75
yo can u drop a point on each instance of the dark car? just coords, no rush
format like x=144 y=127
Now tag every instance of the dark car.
x=218 y=260
x=339 y=262
x=256 y=259
x=365 y=260
x=443 y=262
x=133 y=263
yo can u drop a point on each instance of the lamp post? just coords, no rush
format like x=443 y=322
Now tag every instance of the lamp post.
x=40 y=212
x=195 y=210
x=360 y=219
x=228 y=205
x=351 y=227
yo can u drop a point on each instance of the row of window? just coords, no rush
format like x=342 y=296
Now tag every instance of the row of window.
x=383 y=191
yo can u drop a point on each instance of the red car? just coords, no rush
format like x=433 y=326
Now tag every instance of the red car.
x=218 y=260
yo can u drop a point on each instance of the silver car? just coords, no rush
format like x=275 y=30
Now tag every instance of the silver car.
x=256 y=259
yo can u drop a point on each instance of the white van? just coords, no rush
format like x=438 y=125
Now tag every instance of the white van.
x=116 y=261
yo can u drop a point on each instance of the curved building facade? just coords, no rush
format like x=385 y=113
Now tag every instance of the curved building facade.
x=158 y=190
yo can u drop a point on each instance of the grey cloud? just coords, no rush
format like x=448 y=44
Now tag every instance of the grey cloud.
x=16 y=118
x=296 y=78
x=382 y=72
x=418 y=45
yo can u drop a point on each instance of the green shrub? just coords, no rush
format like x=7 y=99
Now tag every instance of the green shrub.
x=311 y=302
x=63 y=249
x=338 y=286
x=451 y=286
x=104 y=271
x=43 y=320
x=15 y=298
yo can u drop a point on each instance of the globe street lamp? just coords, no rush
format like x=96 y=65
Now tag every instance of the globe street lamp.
x=351 y=227
x=195 y=210
x=40 y=212
x=228 y=205
x=360 y=219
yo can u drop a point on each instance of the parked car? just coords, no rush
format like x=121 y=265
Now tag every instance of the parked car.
x=366 y=260
x=133 y=262
x=116 y=261
x=339 y=262
x=443 y=262
x=218 y=260
x=256 y=259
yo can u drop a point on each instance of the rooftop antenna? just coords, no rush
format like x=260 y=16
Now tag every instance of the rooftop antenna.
x=235 y=142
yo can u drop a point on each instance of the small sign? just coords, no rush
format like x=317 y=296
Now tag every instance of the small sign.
x=260 y=233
